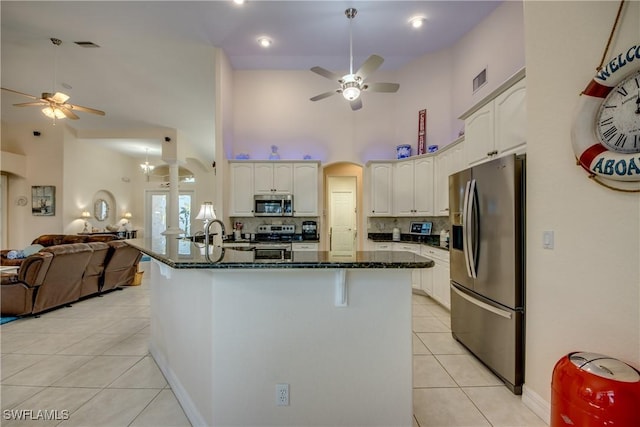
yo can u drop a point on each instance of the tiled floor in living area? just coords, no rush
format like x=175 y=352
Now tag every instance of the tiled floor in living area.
x=92 y=360
x=450 y=386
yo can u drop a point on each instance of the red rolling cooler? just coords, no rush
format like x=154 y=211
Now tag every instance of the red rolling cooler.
x=594 y=390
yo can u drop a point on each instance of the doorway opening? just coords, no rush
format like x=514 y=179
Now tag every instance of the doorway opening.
x=343 y=225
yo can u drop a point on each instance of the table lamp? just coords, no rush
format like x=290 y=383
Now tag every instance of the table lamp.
x=84 y=215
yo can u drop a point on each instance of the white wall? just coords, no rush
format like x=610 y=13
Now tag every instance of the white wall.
x=44 y=160
x=584 y=295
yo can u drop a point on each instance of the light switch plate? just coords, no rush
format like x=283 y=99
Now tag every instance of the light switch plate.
x=547 y=239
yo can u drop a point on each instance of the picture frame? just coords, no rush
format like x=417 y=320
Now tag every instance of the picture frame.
x=43 y=200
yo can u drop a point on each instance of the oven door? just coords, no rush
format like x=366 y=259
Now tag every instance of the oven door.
x=265 y=252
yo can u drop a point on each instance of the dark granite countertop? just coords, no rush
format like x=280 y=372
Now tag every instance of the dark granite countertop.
x=431 y=240
x=179 y=253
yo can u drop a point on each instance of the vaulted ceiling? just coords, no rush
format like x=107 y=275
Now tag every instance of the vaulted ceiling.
x=154 y=64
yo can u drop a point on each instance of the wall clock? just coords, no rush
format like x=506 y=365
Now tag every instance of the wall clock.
x=606 y=130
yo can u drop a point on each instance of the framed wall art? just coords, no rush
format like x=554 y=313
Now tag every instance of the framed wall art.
x=43 y=200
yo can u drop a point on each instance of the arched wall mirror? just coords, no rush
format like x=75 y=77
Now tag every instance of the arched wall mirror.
x=101 y=209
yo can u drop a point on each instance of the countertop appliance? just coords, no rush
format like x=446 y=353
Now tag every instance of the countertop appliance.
x=421 y=228
x=309 y=230
x=487 y=214
x=273 y=205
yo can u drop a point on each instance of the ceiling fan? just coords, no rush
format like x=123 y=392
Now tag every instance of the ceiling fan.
x=55 y=104
x=352 y=84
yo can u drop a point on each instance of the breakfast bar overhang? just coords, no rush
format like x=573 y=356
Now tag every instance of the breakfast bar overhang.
x=226 y=330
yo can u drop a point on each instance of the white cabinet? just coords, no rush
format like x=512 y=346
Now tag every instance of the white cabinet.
x=435 y=280
x=451 y=160
x=241 y=195
x=413 y=187
x=304 y=247
x=270 y=178
x=498 y=127
x=380 y=175
x=383 y=246
x=416 y=277
x=305 y=189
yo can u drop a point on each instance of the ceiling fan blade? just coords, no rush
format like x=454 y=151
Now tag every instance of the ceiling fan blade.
x=20 y=93
x=68 y=113
x=31 y=104
x=85 y=109
x=59 y=98
x=370 y=65
x=356 y=104
x=323 y=96
x=326 y=73
x=382 y=87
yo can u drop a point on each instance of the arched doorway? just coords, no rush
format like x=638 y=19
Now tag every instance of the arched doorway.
x=342 y=199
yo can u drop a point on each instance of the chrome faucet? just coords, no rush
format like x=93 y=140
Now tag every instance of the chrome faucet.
x=207 y=232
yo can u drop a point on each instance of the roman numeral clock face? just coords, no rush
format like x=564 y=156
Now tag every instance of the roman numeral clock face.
x=618 y=119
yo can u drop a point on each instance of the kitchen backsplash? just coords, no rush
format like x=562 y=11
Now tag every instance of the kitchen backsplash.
x=387 y=224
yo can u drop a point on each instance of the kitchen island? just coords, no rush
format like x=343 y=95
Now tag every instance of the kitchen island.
x=226 y=330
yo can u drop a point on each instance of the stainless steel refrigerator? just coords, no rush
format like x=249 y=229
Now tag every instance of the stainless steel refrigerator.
x=486 y=209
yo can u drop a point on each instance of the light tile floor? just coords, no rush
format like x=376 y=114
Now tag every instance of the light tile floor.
x=92 y=360
x=450 y=386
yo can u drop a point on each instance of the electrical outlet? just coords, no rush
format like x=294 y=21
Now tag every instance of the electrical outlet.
x=282 y=394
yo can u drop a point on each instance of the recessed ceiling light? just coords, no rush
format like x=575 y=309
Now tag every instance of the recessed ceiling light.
x=417 y=21
x=265 y=41
x=238 y=1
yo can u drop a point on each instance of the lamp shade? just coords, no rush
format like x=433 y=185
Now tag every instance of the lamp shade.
x=127 y=215
x=206 y=212
x=85 y=214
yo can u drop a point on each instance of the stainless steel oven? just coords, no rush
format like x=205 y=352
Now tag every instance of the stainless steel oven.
x=273 y=205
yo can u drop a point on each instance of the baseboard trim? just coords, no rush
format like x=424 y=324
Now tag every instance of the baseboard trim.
x=190 y=410
x=537 y=404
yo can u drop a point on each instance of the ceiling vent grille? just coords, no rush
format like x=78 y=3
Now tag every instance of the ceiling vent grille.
x=86 y=44
x=480 y=80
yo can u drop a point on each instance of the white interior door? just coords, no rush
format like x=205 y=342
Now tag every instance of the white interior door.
x=342 y=214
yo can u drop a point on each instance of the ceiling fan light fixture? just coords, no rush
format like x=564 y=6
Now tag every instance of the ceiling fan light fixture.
x=351 y=91
x=53 y=113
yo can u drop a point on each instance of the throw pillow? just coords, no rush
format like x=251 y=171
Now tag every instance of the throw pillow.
x=32 y=249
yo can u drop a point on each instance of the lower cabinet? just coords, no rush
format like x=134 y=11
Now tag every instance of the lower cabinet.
x=435 y=280
x=416 y=278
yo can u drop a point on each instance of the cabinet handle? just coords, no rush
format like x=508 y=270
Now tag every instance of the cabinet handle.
x=492 y=153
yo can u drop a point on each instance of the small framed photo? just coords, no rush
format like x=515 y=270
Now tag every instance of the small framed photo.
x=43 y=200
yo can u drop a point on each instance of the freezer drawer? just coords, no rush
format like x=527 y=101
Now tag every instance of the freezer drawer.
x=494 y=334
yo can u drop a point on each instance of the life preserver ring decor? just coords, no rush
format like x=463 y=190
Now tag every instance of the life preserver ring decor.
x=606 y=128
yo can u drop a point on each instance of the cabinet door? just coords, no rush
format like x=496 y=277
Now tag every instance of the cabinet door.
x=441 y=288
x=403 y=203
x=283 y=178
x=383 y=246
x=511 y=118
x=426 y=280
x=479 y=134
x=241 y=193
x=305 y=189
x=263 y=178
x=443 y=167
x=304 y=247
x=423 y=187
x=380 y=196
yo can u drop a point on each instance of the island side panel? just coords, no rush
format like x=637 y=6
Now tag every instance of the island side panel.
x=345 y=365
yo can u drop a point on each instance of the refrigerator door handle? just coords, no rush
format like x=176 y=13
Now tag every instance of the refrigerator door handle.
x=466 y=228
x=472 y=230
x=483 y=305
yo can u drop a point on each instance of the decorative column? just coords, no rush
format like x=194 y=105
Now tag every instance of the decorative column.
x=173 y=202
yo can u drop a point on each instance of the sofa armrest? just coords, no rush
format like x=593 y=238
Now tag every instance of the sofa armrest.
x=16 y=298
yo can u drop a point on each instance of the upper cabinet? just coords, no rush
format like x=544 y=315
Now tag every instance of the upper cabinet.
x=380 y=177
x=497 y=127
x=449 y=161
x=241 y=194
x=413 y=187
x=273 y=178
x=305 y=189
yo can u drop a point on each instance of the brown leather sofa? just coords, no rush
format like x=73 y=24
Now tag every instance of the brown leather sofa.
x=47 y=240
x=62 y=274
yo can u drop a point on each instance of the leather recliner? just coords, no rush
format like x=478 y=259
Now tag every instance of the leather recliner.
x=121 y=265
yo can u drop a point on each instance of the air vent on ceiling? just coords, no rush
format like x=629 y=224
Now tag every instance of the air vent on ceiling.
x=480 y=80
x=86 y=44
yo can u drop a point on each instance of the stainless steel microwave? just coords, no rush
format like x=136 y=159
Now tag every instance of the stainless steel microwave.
x=273 y=205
